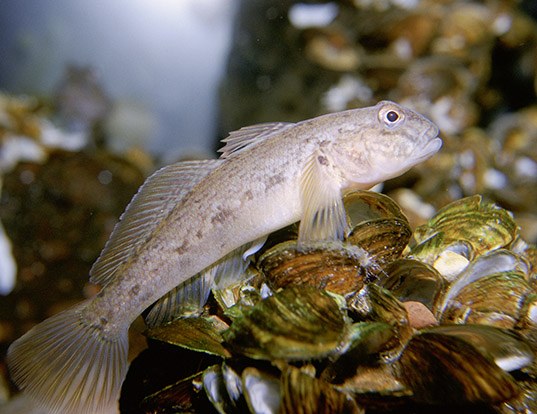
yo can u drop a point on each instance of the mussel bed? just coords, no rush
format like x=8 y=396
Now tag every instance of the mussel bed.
x=391 y=319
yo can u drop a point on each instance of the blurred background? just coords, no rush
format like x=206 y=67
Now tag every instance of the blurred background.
x=159 y=62
x=95 y=95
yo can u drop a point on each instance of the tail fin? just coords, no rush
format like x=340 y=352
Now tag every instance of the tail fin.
x=67 y=366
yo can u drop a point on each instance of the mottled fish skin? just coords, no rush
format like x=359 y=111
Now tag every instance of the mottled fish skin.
x=269 y=176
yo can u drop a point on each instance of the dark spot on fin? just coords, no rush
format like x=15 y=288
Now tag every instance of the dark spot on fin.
x=322 y=160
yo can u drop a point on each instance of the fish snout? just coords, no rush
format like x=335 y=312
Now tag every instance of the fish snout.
x=430 y=143
x=431 y=133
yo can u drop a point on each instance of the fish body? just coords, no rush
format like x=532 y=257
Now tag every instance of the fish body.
x=192 y=222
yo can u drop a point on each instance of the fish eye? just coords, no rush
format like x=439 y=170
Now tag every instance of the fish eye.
x=392 y=116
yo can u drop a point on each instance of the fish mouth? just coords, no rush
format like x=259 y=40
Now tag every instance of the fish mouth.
x=432 y=145
x=431 y=132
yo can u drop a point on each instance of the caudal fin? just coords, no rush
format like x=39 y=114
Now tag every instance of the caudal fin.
x=67 y=366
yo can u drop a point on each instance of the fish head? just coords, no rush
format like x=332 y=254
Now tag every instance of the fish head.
x=391 y=141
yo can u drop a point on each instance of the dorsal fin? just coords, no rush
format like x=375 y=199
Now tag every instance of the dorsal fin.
x=154 y=201
x=246 y=136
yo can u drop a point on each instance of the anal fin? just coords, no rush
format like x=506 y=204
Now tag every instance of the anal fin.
x=189 y=297
x=184 y=300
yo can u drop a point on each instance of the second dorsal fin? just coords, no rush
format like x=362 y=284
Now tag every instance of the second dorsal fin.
x=246 y=136
x=154 y=201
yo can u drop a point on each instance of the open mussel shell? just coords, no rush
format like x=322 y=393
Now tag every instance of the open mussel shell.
x=201 y=334
x=447 y=368
x=364 y=206
x=491 y=300
x=484 y=225
x=297 y=323
x=412 y=280
x=498 y=261
x=448 y=257
x=232 y=382
x=334 y=267
x=254 y=391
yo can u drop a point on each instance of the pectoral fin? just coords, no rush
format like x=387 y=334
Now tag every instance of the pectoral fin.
x=323 y=215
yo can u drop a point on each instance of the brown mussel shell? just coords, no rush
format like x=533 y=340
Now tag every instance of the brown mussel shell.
x=444 y=369
x=384 y=240
x=297 y=323
x=334 y=267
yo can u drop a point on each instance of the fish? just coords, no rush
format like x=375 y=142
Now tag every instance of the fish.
x=192 y=226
